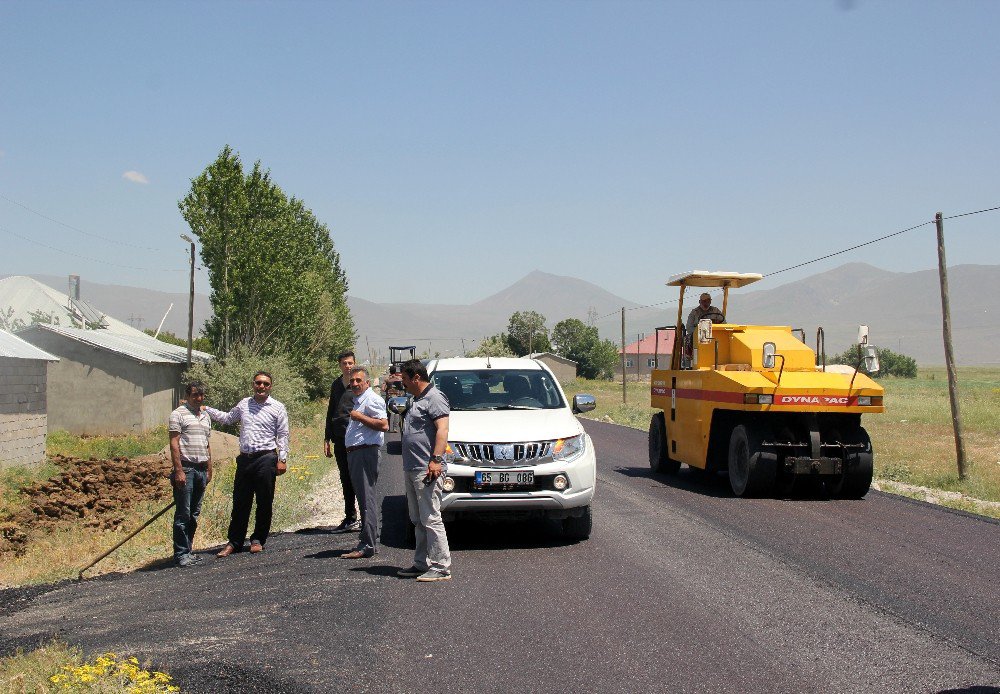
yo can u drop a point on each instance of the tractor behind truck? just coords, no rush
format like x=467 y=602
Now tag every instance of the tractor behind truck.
x=753 y=401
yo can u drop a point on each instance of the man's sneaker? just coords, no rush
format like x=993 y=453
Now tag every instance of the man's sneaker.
x=411 y=572
x=196 y=558
x=435 y=575
x=185 y=561
x=348 y=525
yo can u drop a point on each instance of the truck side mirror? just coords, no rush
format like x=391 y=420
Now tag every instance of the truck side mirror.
x=767 y=358
x=862 y=334
x=583 y=403
x=399 y=404
x=704 y=331
x=871 y=359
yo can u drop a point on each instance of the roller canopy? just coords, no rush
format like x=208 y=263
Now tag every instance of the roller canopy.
x=702 y=278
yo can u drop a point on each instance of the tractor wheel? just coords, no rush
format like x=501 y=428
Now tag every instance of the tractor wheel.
x=857 y=477
x=751 y=472
x=659 y=458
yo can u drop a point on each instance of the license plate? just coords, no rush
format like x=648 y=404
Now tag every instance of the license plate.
x=506 y=478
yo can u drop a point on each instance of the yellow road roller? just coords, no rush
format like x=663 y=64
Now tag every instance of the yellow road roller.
x=755 y=401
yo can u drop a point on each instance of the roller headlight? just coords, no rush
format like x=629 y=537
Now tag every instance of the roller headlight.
x=448 y=484
x=570 y=448
x=560 y=482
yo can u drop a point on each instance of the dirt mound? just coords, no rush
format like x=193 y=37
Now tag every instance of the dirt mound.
x=96 y=493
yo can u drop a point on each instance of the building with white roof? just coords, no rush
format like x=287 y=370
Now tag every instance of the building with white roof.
x=109 y=382
x=24 y=300
x=23 y=414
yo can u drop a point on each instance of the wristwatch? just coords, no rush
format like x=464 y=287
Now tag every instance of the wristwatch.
x=437 y=458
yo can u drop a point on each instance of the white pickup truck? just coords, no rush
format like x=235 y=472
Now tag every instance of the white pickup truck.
x=515 y=445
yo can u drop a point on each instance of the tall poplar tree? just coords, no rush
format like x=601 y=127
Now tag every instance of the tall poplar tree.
x=277 y=282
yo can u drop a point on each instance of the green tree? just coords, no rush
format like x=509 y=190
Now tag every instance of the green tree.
x=277 y=283
x=227 y=382
x=526 y=333
x=890 y=363
x=493 y=346
x=581 y=343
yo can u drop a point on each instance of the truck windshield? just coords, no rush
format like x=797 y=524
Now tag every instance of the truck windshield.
x=499 y=389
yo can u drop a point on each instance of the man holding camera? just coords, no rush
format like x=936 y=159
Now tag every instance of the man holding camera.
x=425 y=438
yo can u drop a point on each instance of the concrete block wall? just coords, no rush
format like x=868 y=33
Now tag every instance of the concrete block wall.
x=22 y=439
x=22 y=386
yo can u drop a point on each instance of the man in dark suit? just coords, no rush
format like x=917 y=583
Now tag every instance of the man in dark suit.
x=338 y=416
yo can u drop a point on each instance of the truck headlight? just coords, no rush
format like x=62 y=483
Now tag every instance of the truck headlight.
x=569 y=448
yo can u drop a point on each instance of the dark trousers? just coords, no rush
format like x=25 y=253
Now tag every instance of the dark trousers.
x=340 y=454
x=187 y=507
x=255 y=475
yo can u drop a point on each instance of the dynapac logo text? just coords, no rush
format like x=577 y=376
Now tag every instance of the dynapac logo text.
x=812 y=400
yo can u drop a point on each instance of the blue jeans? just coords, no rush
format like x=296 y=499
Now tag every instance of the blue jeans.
x=187 y=500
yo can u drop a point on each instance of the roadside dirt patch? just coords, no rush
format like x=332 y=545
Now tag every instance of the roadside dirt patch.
x=94 y=493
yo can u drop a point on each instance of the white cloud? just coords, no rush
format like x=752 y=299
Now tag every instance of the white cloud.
x=135 y=177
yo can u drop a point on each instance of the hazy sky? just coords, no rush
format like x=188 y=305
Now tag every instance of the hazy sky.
x=469 y=143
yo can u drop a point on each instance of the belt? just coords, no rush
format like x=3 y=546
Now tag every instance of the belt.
x=257 y=454
x=194 y=463
x=351 y=449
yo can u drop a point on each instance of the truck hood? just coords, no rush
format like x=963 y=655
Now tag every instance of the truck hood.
x=510 y=426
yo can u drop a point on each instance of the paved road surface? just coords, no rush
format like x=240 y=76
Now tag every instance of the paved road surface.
x=681 y=587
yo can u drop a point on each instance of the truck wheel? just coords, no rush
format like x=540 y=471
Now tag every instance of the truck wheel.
x=659 y=459
x=578 y=527
x=857 y=478
x=751 y=472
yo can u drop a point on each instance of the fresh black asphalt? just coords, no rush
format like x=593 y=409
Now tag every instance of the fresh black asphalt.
x=681 y=588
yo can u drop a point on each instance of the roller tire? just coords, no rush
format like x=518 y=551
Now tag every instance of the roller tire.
x=751 y=471
x=857 y=478
x=659 y=458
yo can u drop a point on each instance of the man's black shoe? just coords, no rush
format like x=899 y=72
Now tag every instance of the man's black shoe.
x=348 y=525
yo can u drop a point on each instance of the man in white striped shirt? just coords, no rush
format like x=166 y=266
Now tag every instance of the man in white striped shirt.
x=263 y=456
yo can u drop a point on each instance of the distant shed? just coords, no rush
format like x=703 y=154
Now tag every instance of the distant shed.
x=108 y=383
x=564 y=369
x=23 y=416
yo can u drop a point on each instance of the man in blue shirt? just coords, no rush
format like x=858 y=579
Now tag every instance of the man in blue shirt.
x=363 y=441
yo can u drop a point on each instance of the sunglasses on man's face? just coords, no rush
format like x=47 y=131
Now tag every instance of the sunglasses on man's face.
x=262 y=383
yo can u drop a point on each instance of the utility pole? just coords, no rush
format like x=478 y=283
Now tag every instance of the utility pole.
x=949 y=355
x=190 y=301
x=624 y=397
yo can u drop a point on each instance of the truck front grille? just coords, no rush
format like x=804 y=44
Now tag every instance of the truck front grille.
x=493 y=454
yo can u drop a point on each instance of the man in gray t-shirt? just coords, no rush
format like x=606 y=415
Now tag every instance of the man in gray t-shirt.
x=189 y=429
x=425 y=438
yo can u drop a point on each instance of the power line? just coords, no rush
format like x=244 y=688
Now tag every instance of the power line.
x=77 y=229
x=852 y=248
x=83 y=257
x=825 y=257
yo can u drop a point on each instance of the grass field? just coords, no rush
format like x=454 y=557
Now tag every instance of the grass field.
x=913 y=440
x=56 y=666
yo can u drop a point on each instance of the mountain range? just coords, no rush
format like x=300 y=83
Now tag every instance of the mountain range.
x=902 y=310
